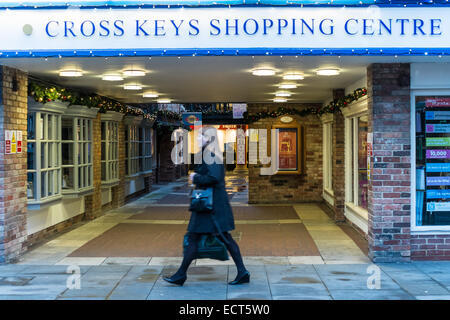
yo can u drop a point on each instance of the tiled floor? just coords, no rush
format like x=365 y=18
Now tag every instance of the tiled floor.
x=149 y=230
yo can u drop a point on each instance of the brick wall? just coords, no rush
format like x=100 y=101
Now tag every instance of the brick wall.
x=430 y=247
x=338 y=166
x=306 y=187
x=389 y=189
x=13 y=177
x=93 y=202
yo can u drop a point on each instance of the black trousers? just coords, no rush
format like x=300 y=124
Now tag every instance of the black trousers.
x=191 y=249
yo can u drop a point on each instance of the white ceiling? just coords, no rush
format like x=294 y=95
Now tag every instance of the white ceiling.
x=206 y=79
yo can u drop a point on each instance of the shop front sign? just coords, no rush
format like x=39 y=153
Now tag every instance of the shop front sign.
x=126 y=31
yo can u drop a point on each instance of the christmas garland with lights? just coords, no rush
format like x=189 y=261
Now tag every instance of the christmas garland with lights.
x=333 y=107
x=46 y=93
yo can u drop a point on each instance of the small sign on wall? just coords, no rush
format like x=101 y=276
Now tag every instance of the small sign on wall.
x=13 y=141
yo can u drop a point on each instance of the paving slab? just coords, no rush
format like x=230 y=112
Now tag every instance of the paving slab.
x=126 y=261
x=82 y=261
x=423 y=288
x=433 y=297
x=371 y=295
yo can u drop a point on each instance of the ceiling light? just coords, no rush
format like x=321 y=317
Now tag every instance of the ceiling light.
x=150 y=95
x=293 y=76
x=279 y=100
x=132 y=87
x=263 y=72
x=70 y=73
x=163 y=101
x=287 y=86
x=283 y=94
x=134 y=73
x=327 y=72
x=112 y=77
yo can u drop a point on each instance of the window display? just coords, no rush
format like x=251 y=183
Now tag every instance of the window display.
x=110 y=151
x=76 y=154
x=289 y=144
x=43 y=157
x=432 y=160
x=138 y=148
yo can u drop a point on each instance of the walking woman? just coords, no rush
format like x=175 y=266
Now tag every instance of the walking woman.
x=211 y=174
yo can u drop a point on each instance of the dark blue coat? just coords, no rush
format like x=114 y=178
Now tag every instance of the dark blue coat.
x=212 y=175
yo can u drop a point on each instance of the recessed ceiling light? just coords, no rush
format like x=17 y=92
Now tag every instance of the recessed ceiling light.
x=132 y=87
x=112 y=77
x=263 y=72
x=163 y=101
x=287 y=86
x=293 y=76
x=70 y=73
x=150 y=95
x=134 y=73
x=283 y=94
x=280 y=100
x=328 y=72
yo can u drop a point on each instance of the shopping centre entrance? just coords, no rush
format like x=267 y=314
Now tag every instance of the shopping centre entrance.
x=335 y=120
x=281 y=217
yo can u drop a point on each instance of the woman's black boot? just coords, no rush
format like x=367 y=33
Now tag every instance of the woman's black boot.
x=241 y=278
x=179 y=280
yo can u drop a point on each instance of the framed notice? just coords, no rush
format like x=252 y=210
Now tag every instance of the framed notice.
x=289 y=148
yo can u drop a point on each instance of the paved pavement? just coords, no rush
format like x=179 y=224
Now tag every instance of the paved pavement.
x=323 y=262
x=407 y=281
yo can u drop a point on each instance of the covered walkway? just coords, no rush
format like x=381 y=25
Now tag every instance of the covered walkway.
x=150 y=229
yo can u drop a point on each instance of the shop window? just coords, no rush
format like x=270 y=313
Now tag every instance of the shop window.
x=43 y=157
x=139 y=149
x=290 y=146
x=357 y=154
x=77 y=165
x=432 y=139
x=356 y=165
x=110 y=151
x=327 y=153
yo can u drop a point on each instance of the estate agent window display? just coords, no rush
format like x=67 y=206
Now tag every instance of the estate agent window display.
x=44 y=152
x=77 y=150
x=431 y=128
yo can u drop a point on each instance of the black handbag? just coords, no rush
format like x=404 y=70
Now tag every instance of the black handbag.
x=209 y=245
x=201 y=200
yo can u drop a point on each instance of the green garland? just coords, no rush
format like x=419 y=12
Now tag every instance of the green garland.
x=44 y=93
x=333 y=107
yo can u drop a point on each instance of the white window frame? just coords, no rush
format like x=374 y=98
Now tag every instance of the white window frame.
x=353 y=212
x=327 y=158
x=41 y=143
x=415 y=229
x=84 y=116
x=110 y=147
x=135 y=140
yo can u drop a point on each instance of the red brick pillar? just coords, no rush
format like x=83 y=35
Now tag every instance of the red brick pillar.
x=338 y=167
x=118 y=192
x=93 y=202
x=389 y=187
x=13 y=167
